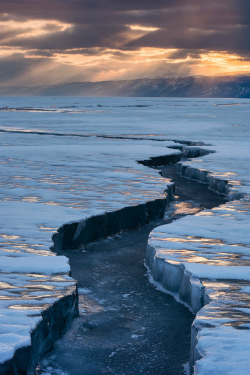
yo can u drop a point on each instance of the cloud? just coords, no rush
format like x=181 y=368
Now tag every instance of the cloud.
x=95 y=39
x=18 y=70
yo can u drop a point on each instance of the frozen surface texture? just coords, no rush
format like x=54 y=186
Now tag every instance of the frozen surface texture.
x=65 y=160
x=47 y=181
x=204 y=260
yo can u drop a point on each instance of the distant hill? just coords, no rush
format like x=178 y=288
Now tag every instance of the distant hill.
x=189 y=87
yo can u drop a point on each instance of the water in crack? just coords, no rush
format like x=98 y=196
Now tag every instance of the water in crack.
x=42 y=173
x=126 y=326
x=46 y=182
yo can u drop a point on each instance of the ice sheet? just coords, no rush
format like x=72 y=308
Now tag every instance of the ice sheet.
x=65 y=159
x=47 y=181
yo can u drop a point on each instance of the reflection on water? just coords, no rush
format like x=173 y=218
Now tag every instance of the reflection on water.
x=29 y=294
x=227 y=302
x=47 y=110
x=46 y=184
x=73 y=181
x=56 y=171
x=186 y=208
x=7 y=237
x=178 y=209
x=192 y=239
x=88 y=304
x=44 y=227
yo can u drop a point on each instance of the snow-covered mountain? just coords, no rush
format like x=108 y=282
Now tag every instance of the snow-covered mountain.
x=195 y=86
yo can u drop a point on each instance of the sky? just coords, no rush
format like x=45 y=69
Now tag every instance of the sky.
x=54 y=41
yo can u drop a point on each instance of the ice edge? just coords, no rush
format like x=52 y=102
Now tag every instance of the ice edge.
x=57 y=318
x=172 y=277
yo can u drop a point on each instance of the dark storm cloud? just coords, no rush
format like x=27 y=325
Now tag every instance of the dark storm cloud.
x=197 y=24
x=231 y=40
x=78 y=36
x=39 y=53
x=78 y=40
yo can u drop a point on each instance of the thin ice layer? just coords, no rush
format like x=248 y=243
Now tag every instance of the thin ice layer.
x=57 y=167
x=212 y=279
x=43 y=187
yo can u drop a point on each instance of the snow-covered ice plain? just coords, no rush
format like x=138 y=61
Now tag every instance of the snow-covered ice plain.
x=67 y=159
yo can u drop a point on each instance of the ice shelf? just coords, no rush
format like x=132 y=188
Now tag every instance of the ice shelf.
x=67 y=162
x=97 y=188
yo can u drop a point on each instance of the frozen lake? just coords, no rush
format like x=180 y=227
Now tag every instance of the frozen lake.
x=67 y=159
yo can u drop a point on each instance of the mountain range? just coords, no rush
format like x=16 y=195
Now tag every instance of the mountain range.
x=188 y=87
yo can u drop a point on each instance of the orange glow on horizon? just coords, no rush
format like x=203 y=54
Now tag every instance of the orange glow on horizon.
x=117 y=63
x=207 y=64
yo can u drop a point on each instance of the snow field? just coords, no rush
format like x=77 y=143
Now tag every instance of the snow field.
x=43 y=187
x=56 y=167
